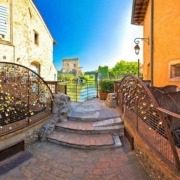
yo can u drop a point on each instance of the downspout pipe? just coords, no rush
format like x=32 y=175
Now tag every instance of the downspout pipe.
x=152 y=43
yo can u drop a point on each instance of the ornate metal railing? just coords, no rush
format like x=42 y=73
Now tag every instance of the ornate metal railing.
x=148 y=119
x=25 y=98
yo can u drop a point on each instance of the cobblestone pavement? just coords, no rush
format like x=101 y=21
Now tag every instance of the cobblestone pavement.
x=55 y=162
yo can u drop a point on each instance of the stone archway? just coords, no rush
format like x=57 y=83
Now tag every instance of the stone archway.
x=36 y=66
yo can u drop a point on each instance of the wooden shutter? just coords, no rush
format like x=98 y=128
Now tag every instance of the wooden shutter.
x=3 y=20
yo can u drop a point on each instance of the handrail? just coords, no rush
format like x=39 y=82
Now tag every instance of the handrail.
x=169 y=112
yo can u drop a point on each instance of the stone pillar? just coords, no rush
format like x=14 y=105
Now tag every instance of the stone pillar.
x=61 y=108
x=111 y=100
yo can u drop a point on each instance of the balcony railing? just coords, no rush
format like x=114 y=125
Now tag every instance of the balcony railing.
x=152 y=122
x=25 y=98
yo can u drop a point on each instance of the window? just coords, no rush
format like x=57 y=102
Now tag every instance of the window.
x=175 y=70
x=36 y=38
x=74 y=65
x=3 y=21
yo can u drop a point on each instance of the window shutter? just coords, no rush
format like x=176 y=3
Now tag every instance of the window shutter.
x=3 y=20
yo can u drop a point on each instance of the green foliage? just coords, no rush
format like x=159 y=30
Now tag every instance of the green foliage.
x=103 y=72
x=123 y=68
x=66 y=76
x=90 y=72
x=90 y=77
x=106 y=86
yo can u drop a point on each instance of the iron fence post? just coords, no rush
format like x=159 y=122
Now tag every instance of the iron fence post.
x=65 y=89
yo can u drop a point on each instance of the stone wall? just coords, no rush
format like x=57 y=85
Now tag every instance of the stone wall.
x=111 y=100
x=153 y=165
x=6 y=53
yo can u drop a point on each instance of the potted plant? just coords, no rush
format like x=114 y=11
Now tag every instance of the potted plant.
x=105 y=87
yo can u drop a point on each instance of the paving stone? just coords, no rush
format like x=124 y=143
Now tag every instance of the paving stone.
x=65 y=164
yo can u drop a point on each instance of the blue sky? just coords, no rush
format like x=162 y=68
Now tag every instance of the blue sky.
x=97 y=31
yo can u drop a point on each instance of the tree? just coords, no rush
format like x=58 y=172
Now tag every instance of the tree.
x=124 y=68
x=103 y=72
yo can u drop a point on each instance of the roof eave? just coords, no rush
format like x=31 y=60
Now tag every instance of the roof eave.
x=139 y=8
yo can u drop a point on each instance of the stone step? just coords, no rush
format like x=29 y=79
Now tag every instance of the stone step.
x=83 y=141
x=89 y=118
x=90 y=128
x=93 y=116
x=108 y=122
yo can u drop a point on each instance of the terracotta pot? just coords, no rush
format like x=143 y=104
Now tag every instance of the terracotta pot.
x=102 y=95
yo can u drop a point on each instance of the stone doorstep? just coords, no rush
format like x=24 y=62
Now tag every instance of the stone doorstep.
x=119 y=129
x=89 y=118
x=85 y=141
x=90 y=126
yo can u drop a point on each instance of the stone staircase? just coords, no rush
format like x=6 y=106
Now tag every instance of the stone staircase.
x=89 y=129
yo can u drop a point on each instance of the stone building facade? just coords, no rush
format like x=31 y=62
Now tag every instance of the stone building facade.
x=25 y=38
x=71 y=65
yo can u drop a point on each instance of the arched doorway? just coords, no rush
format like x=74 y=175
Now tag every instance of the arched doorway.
x=35 y=66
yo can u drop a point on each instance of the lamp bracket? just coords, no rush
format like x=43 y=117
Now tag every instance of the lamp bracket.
x=137 y=40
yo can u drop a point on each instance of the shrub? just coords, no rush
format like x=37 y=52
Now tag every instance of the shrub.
x=106 y=86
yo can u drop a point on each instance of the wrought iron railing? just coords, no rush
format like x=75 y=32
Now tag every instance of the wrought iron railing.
x=151 y=122
x=25 y=98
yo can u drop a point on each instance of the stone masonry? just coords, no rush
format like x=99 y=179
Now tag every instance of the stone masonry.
x=111 y=100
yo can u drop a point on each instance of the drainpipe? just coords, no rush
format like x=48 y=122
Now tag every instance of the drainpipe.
x=152 y=43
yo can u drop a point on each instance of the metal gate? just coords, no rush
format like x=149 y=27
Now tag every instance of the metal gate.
x=80 y=91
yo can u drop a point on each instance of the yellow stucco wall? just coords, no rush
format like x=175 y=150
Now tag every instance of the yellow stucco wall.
x=166 y=41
